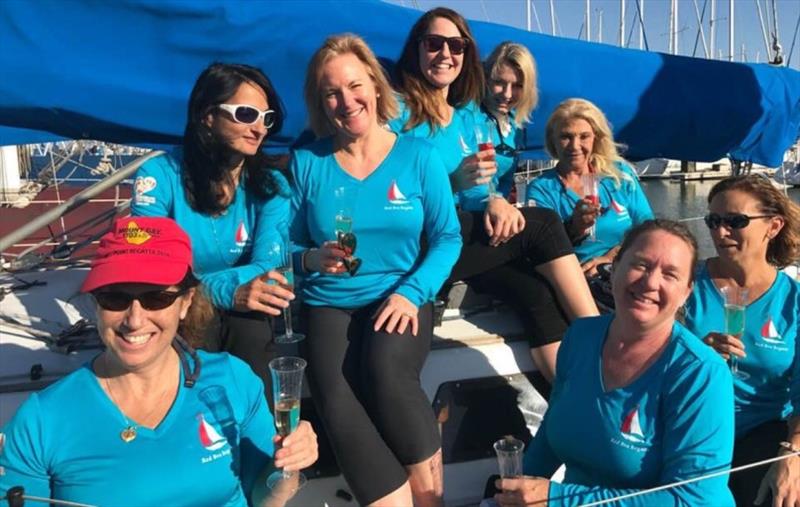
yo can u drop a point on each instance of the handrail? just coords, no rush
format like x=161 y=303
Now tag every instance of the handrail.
x=74 y=202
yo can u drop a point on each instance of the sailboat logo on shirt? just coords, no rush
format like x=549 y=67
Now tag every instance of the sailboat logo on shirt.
x=241 y=235
x=631 y=429
x=394 y=194
x=617 y=207
x=209 y=437
x=769 y=334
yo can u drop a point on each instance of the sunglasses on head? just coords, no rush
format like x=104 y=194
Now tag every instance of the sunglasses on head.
x=347 y=242
x=434 y=43
x=731 y=221
x=117 y=301
x=248 y=115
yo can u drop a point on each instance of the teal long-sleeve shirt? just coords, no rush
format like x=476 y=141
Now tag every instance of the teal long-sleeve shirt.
x=228 y=250
x=406 y=195
x=771 y=389
x=674 y=422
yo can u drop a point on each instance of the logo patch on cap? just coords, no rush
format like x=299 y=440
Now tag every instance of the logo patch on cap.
x=134 y=235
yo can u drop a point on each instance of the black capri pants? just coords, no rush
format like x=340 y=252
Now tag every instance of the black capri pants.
x=366 y=388
x=760 y=443
x=248 y=336
x=507 y=271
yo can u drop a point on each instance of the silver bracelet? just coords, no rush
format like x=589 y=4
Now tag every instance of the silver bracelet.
x=789 y=447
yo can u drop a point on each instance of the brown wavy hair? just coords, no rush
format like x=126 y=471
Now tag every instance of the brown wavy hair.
x=421 y=98
x=661 y=224
x=784 y=248
x=192 y=327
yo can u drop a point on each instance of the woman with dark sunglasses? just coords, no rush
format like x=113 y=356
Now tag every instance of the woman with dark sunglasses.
x=151 y=421
x=522 y=257
x=756 y=231
x=230 y=197
x=367 y=296
x=579 y=136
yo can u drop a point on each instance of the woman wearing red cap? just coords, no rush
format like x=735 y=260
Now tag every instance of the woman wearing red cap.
x=226 y=193
x=150 y=421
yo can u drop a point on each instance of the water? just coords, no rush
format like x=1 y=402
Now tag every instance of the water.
x=688 y=201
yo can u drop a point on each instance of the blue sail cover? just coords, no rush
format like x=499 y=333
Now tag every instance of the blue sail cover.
x=121 y=71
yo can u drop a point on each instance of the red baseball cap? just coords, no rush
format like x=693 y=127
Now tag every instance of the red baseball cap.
x=141 y=250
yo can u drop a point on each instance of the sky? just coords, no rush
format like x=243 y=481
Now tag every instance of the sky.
x=570 y=16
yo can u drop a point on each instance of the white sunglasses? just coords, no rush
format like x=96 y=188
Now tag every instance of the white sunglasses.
x=248 y=115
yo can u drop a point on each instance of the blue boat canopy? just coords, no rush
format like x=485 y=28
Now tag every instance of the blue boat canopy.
x=121 y=72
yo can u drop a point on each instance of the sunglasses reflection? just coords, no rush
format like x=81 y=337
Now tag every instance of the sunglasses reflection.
x=347 y=243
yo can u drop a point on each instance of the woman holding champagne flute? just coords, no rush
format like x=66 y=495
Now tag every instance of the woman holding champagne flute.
x=756 y=231
x=368 y=291
x=230 y=196
x=659 y=403
x=151 y=421
x=592 y=188
x=522 y=256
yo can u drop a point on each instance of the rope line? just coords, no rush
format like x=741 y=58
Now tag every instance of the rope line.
x=689 y=481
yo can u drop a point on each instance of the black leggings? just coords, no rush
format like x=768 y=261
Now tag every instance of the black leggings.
x=366 y=388
x=508 y=270
x=758 y=444
x=248 y=336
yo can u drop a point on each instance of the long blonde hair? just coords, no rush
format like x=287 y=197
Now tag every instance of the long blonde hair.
x=517 y=57
x=337 y=45
x=422 y=99
x=605 y=153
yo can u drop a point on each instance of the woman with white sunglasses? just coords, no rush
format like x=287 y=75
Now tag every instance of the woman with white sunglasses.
x=228 y=195
x=756 y=231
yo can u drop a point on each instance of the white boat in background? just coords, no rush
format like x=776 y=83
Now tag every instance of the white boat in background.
x=788 y=175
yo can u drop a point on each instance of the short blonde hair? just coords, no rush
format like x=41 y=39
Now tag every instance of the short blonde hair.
x=338 y=45
x=517 y=57
x=605 y=152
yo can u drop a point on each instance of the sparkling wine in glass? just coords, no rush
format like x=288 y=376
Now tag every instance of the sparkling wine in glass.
x=283 y=252
x=735 y=305
x=589 y=181
x=287 y=389
x=483 y=138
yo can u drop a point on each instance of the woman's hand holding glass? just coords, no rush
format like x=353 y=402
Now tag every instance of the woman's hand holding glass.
x=325 y=259
x=502 y=221
x=584 y=216
x=297 y=450
x=725 y=344
x=476 y=169
x=397 y=313
x=522 y=491
x=264 y=293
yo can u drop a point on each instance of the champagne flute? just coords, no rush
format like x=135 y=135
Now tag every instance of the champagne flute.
x=483 y=138
x=521 y=189
x=509 y=456
x=735 y=299
x=589 y=182
x=343 y=222
x=283 y=251
x=287 y=388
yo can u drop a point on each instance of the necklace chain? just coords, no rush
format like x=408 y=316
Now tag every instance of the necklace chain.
x=129 y=433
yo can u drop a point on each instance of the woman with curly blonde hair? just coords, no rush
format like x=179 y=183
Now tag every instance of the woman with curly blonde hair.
x=579 y=136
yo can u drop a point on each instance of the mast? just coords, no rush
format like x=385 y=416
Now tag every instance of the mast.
x=700 y=28
x=528 y=15
x=621 y=23
x=731 y=37
x=588 y=20
x=552 y=18
x=712 y=25
x=599 y=25
x=763 y=29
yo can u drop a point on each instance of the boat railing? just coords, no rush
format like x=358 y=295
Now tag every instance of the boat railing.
x=28 y=257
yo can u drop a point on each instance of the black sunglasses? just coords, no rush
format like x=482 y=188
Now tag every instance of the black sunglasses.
x=732 y=221
x=117 y=301
x=434 y=43
x=347 y=242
